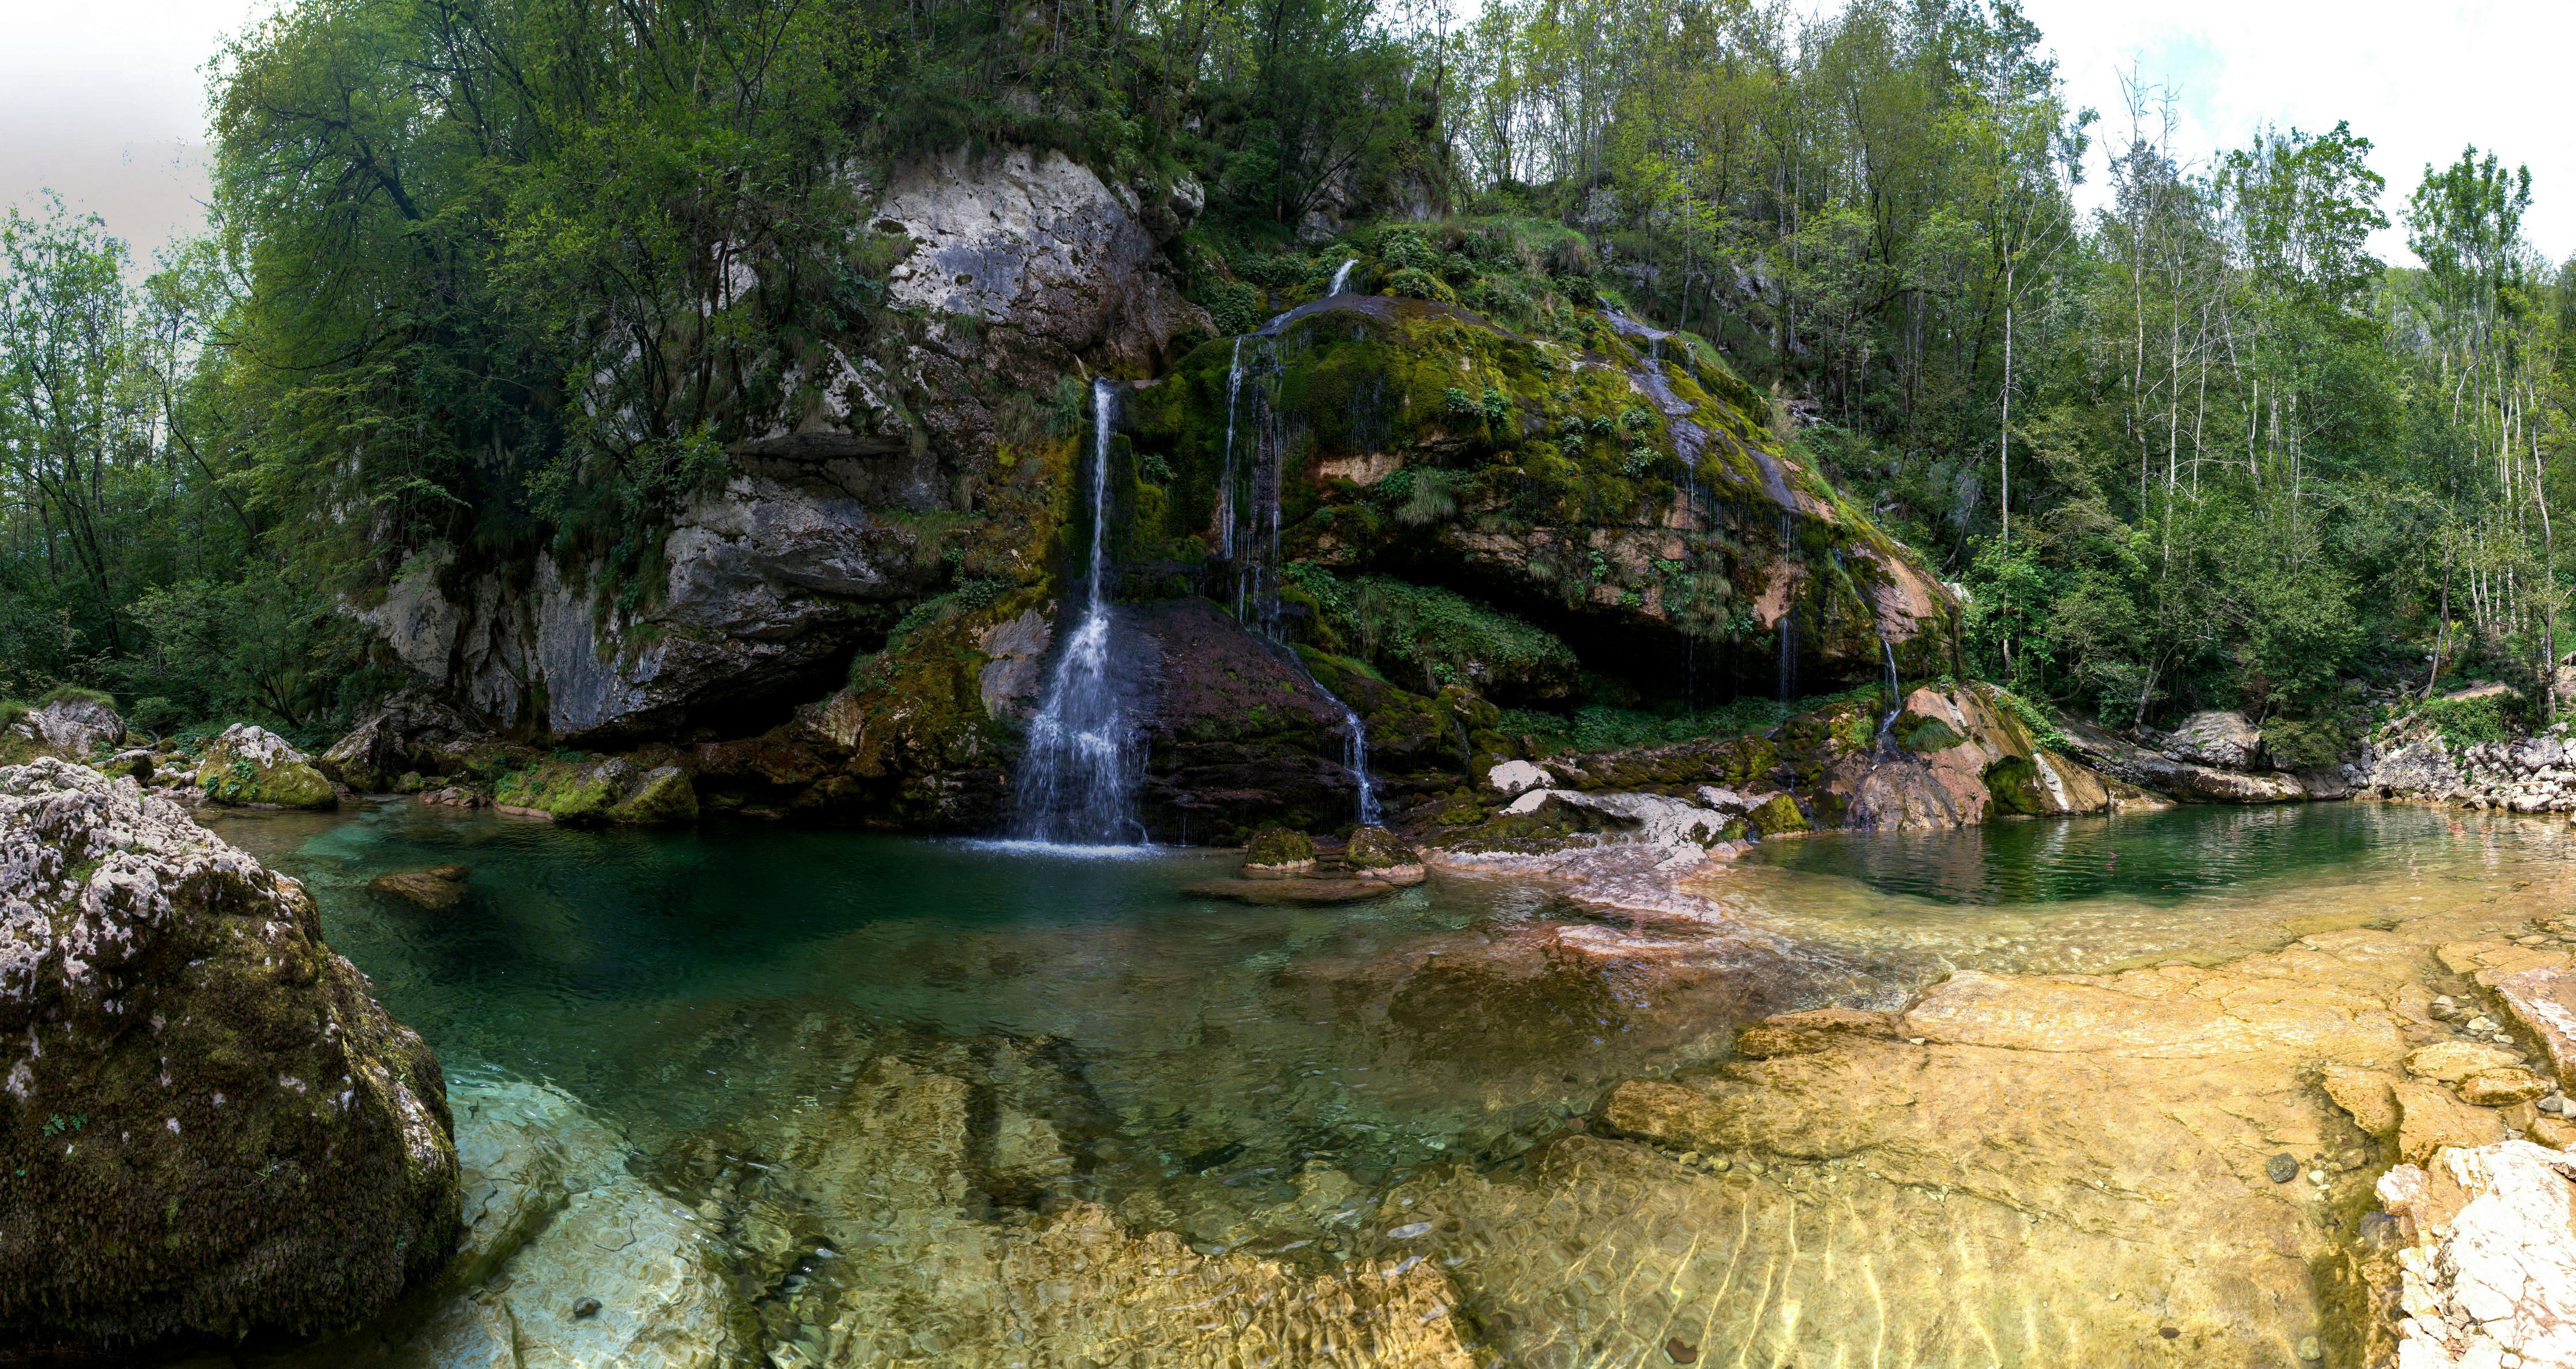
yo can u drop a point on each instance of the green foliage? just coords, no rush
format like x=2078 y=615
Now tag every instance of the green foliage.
x=1415 y=283
x=1419 y=632
x=2304 y=743
x=2485 y=717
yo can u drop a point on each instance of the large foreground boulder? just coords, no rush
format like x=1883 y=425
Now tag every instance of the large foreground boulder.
x=211 y=1129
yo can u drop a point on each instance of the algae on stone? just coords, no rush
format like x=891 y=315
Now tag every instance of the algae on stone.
x=211 y=1128
x=250 y=765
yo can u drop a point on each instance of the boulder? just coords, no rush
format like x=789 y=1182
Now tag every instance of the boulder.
x=2488 y=1272
x=2189 y=781
x=212 y=1128
x=1278 y=851
x=252 y=767
x=437 y=888
x=71 y=724
x=590 y=790
x=409 y=733
x=2221 y=737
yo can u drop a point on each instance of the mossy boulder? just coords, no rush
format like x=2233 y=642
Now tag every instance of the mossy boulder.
x=250 y=766
x=1278 y=850
x=661 y=795
x=1777 y=815
x=589 y=790
x=212 y=1130
x=1375 y=848
x=407 y=734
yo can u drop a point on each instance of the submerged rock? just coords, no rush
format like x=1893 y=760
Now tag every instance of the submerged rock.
x=437 y=888
x=250 y=766
x=2039 y=1170
x=569 y=1261
x=891 y=1176
x=211 y=1128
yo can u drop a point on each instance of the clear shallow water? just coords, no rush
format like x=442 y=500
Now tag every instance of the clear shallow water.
x=1207 y=1061
x=2170 y=855
x=680 y=980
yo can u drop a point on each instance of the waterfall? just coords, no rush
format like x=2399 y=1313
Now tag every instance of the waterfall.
x=1342 y=278
x=1225 y=489
x=1895 y=697
x=1788 y=615
x=1078 y=783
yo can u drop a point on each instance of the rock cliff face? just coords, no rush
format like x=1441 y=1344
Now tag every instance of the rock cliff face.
x=842 y=511
x=211 y=1128
x=1623 y=490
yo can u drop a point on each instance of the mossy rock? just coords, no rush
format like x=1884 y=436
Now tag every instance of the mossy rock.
x=224 y=1136
x=1777 y=815
x=1279 y=848
x=250 y=766
x=2014 y=782
x=1375 y=848
x=571 y=789
x=591 y=790
x=661 y=795
x=1915 y=732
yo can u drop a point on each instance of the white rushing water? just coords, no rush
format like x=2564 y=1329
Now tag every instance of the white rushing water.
x=1342 y=278
x=1078 y=784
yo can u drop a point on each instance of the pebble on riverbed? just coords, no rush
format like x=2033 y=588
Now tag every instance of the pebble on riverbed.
x=2282 y=1168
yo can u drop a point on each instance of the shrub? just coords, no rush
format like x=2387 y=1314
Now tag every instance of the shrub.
x=1415 y=283
x=2478 y=718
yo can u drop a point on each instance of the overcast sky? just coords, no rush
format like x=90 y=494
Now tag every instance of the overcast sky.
x=104 y=100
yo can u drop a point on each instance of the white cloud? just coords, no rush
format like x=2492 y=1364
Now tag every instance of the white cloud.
x=2420 y=80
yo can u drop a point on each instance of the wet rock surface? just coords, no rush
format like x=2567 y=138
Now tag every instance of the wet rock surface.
x=2487 y=1274
x=211 y=1128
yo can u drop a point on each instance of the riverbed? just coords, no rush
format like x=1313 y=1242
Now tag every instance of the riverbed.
x=1298 y=1083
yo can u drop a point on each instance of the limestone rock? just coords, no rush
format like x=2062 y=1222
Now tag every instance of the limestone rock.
x=1278 y=851
x=2430 y=1117
x=890 y=1174
x=1375 y=848
x=1956 y=756
x=70 y=725
x=2542 y=999
x=437 y=888
x=1036 y=242
x=2490 y=1266
x=2039 y=1169
x=2367 y=1095
x=1513 y=778
x=2503 y=1087
x=2222 y=737
x=2451 y=1061
x=408 y=733
x=2189 y=781
x=251 y=766
x=597 y=789
x=171 y=1010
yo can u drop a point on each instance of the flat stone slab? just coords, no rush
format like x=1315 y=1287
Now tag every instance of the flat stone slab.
x=1291 y=890
x=2489 y=1269
x=2543 y=1001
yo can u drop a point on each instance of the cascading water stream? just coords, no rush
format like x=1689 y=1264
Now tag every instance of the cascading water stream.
x=1895 y=697
x=1342 y=278
x=1078 y=785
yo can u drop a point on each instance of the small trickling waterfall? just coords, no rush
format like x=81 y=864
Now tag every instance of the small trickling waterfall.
x=1078 y=784
x=1248 y=533
x=1895 y=698
x=1788 y=619
x=1342 y=278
